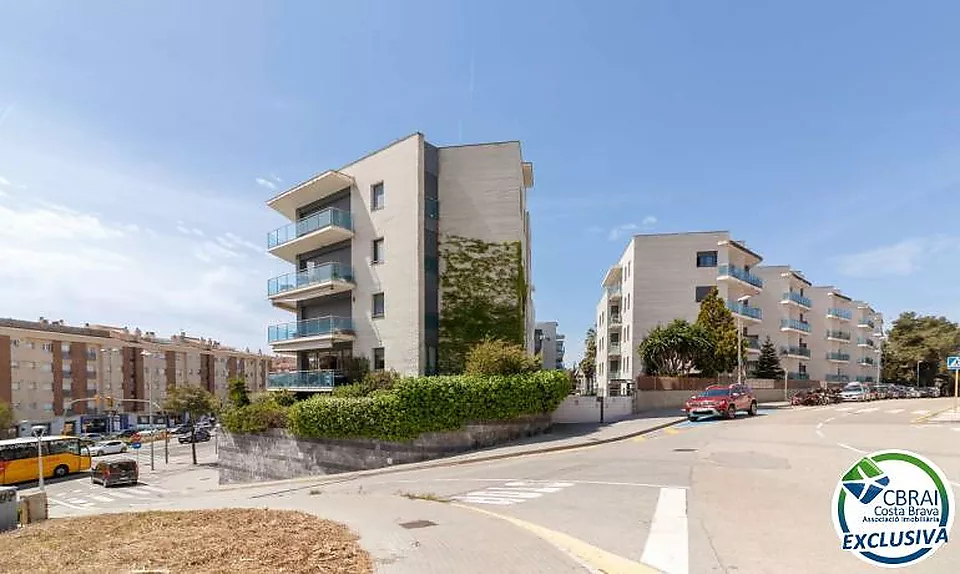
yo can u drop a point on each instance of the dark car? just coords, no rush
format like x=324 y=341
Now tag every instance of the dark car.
x=114 y=472
x=198 y=435
x=127 y=433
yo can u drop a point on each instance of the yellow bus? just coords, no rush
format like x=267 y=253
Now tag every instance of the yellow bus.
x=62 y=455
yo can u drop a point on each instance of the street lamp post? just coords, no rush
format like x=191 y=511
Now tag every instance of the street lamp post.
x=742 y=301
x=918 y=373
x=150 y=414
x=38 y=431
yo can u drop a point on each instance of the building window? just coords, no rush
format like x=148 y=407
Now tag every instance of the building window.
x=376 y=196
x=47 y=407
x=14 y=342
x=64 y=347
x=378 y=362
x=378 y=250
x=702 y=291
x=706 y=258
x=15 y=364
x=378 y=305
x=15 y=386
x=47 y=347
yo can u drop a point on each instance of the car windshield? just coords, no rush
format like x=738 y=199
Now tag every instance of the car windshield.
x=853 y=387
x=124 y=465
x=715 y=393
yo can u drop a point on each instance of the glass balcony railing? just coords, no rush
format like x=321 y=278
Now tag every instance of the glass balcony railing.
x=795 y=325
x=795 y=351
x=331 y=217
x=314 y=276
x=841 y=335
x=312 y=380
x=839 y=313
x=310 y=328
x=615 y=319
x=797 y=298
x=864 y=342
x=739 y=273
x=838 y=357
x=614 y=349
x=614 y=292
x=744 y=309
x=866 y=361
x=832 y=378
x=865 y=322
x=794 y=376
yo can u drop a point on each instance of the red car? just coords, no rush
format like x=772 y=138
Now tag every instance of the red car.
x=721 y=400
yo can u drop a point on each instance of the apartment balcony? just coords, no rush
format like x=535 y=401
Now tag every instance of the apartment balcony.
x=866 y=362
x=753 y=345
x=796 y=376
x=321 y=229
x=327 y=279
x=793 y=298
x=794 y=325
x=745 y=311
x=839 y=336
x=301 y=381
x=615 y=293
x=795 y=352
x=838 y=357
x=740 y=275
x=864 y=342
x=613 y=349
x=839 y=314
x=615 y=321
x=318 y=188
x=865 y=323
x=834 y=378
x=319 y=333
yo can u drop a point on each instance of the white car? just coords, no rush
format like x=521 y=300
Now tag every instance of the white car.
x=108 y=447
x=855 y=392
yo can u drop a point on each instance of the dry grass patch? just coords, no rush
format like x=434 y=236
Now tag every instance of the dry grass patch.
x=251 y=541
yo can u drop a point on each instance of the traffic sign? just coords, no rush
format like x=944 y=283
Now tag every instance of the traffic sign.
x=134 y=445
x=953 y=363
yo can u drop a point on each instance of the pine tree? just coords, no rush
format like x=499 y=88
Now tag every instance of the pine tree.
x=237 y=391
x=717 y=320
x=768 y=365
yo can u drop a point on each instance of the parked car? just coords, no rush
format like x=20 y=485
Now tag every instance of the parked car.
x=108 y=447
x=721 y=400
x=127 y=433
x=855 y=392
x=114 y=472
x=200 y=435
x=182 y=429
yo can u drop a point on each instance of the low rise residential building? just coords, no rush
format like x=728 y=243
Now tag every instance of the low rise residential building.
x=49 y=369
x=549 y=345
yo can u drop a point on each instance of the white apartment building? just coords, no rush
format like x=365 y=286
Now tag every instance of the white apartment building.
x=364 y=247
x=549 y=345
x=819 y=333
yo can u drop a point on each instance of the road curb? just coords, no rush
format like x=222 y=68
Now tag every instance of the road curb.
x=320 y=480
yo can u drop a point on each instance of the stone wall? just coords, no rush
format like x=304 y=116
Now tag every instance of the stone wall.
x=278 y=455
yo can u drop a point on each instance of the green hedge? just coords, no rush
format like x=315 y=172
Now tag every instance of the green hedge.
x=262 y=414
x=427 y=404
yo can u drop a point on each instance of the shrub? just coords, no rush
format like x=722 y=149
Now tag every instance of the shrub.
x=262 y=414
x=428 y=404
x=285 y=397
x=372 y=381
x=495 y=357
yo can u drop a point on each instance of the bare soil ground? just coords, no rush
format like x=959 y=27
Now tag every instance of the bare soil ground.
x=250 y=541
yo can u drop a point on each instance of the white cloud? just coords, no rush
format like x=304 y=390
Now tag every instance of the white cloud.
x=900 y=259
x=629 y=228
x=4 y=181
x=649 y=221
x=263 y=182
x=197 y=232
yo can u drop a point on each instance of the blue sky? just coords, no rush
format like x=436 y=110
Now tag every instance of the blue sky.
x=139 y=141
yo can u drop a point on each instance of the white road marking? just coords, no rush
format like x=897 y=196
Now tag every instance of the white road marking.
x=895 y=411
x=848 y=447
x=101 y=498
x=921 y=412
x=498 y=493
x=667 y=547
x=819 y=425
x=819 y=433
x=844 y=408
x=78 y=501
x=148 y=487
x=120 y=494
x=510 y=480
x=68 y=505
x=870 y=410
x=513 y=492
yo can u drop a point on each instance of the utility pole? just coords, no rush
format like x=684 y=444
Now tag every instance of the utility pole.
x=150 y=413
x=743 y=303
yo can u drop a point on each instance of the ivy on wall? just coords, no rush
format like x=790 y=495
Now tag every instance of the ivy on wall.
x=483 y=292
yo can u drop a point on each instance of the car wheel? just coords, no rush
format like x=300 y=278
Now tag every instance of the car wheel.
x=731 y=412
x=123 y=449
x=61 y=471
x=753 y=409
x=692 y=418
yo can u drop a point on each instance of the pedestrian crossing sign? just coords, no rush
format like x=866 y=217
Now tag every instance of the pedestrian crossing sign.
x=953 y=363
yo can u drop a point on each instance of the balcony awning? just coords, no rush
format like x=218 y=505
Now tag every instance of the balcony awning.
x=324 y=185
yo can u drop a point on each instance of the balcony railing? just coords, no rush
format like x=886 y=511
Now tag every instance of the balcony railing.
x=318 y=327
x=866 y=361
x=795 y=376
x=614 y=291
x=325 y=273
x=310 y=380
x=832 y=378
x=614 y=319
x=614 y=349
x=838 y=357
x=795 y=351
x=866 y=323
x=841 y=335
x=863 y=342
x=745 y=310
x=741 y=274
x=330 y=217
x=798 y=299
x=839 y=313
x=795 y=325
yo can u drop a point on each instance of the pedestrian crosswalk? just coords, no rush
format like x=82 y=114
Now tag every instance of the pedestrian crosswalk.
x=515 y=492
x=855 y=409
x=90 y=497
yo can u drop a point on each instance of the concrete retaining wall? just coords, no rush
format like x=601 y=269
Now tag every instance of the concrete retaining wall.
x=587 y=409
x=277 y=455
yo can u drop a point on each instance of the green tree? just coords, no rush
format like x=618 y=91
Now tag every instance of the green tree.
x=768 y=364
x=237 y=391
x=721 y=328
x=676 y=349
x=588 y=365
x=6 y=418
x=193 y=401
x=914 y=338
x=496 y=357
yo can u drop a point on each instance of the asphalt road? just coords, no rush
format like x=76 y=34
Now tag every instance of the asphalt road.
x=750 y=495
